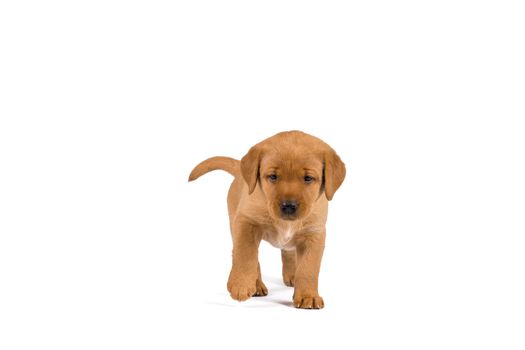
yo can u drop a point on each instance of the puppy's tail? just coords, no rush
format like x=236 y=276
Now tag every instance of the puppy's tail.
x=215 y=163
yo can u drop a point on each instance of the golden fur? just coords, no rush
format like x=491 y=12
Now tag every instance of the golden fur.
x=280 y=194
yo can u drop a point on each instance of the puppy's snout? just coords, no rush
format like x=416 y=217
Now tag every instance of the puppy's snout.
x=289 y=208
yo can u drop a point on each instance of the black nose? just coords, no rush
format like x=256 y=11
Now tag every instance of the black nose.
x=289 y=208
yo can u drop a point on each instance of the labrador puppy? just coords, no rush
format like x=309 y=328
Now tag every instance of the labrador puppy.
x=280 y=194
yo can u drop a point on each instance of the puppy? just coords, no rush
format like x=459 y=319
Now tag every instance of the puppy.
x=280 y=194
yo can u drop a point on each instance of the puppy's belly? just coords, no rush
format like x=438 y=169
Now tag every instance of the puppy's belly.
x=282 y=239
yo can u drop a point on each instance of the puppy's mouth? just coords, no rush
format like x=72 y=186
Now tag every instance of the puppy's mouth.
x=289 y=217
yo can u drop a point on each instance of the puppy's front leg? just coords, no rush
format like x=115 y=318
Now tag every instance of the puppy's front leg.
x=244 y=272
x=309 y=254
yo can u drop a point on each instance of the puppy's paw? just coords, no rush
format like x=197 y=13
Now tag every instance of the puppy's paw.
x=308 y=301
x=241 y=293
x=241 y=289
x=261 y=289
x=288 y=279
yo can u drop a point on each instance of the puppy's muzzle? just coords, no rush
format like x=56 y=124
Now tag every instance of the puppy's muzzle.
x=289 y=208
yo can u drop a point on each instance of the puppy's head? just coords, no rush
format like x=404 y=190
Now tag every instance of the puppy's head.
x=293 y=169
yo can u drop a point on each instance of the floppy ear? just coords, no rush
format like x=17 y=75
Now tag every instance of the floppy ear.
x=250 y=167
x=334 y=173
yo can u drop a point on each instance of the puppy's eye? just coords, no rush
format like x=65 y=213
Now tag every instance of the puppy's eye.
x=272 y=178
x=308 y=179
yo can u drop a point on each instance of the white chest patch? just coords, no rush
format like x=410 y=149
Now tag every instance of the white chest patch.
x=286 y=235
x=281 y=237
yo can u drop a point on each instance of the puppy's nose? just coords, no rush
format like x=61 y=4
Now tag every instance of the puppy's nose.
x=289 y=208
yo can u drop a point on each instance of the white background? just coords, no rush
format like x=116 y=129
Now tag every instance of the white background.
x=106 y=106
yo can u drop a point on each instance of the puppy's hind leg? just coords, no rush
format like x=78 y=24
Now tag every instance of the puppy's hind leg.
x=259 y=285
x=289 y=266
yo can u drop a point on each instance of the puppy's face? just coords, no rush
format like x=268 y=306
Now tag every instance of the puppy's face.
x=290 y=185
x=293 y=169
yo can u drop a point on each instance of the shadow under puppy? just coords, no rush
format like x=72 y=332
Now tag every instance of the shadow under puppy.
x=280 y=194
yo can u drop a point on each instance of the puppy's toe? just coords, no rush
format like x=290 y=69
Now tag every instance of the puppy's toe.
x=308 y=302
x=288 y=280
x=261 y=289
x=242 y=292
